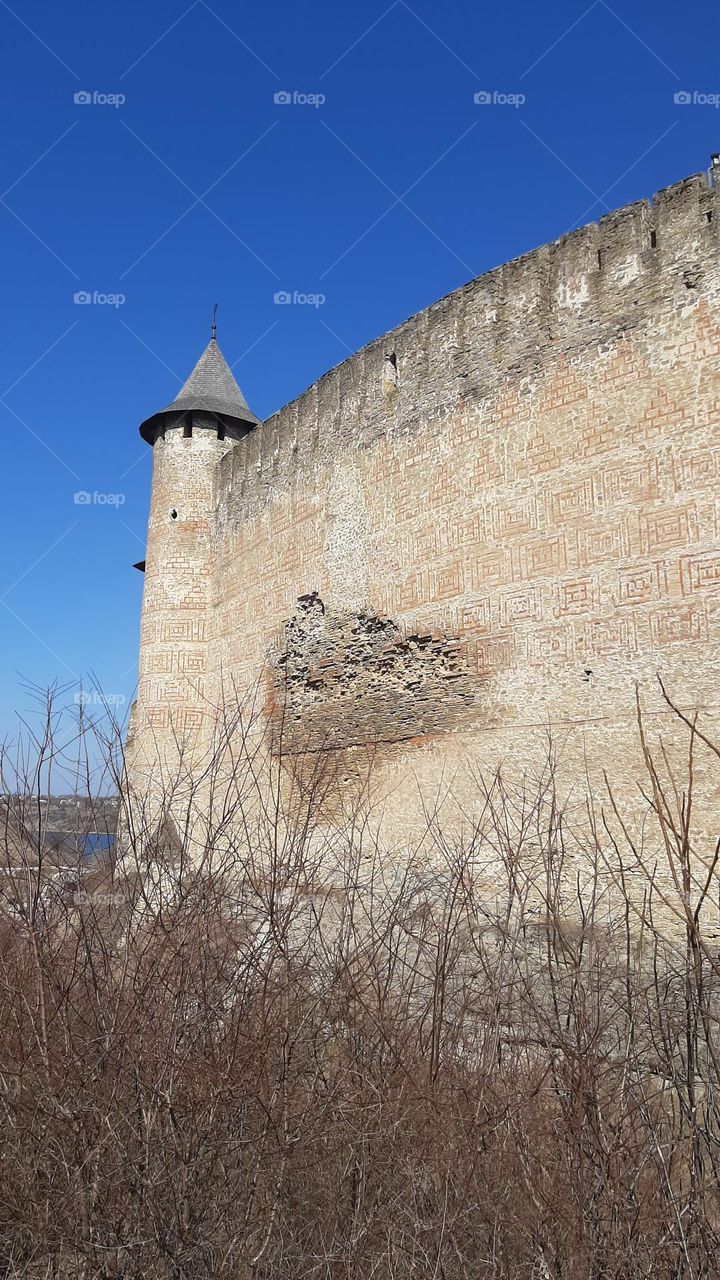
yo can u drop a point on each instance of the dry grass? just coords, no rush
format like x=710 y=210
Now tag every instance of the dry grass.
x=238 y=1069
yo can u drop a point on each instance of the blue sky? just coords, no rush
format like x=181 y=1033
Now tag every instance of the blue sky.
x=200 y=187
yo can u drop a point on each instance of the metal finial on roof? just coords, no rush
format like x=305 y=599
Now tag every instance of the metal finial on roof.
x=213 y=328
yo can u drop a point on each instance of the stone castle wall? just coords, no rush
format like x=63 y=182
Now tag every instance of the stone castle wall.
x=496 y=519
x=526 y=472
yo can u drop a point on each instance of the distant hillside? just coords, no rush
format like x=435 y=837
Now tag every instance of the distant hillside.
x=81 y=813
x=71 y=824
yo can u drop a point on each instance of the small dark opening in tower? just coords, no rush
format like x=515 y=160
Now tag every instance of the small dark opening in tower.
x=708 y=215
x=173 y=513
x=600 y=262
x=187 y=429
x=220 y=431
x=653 y=240
x=393 y=359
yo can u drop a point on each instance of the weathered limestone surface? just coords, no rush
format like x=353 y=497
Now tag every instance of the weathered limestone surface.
x=508 y=510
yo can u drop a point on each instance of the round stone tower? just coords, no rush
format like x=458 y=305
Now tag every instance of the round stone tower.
x=173 y=716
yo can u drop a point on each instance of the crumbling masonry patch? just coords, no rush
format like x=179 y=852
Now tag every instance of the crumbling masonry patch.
x=343 y=679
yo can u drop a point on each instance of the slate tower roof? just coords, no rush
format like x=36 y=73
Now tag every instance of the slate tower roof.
x=211 y=388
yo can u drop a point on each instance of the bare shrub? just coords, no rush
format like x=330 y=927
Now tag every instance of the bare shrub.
x=296 y=1057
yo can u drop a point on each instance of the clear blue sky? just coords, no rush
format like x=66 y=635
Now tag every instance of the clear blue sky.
x=200 y=187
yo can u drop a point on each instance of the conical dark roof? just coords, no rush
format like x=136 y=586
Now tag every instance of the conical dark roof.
x=211 y=388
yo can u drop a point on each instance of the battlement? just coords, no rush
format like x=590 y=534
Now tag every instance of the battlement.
x=604 y=279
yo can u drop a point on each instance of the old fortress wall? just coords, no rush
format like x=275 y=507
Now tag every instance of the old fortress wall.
x=500 y=517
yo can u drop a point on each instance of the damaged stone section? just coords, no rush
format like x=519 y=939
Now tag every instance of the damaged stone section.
x=343 y=679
